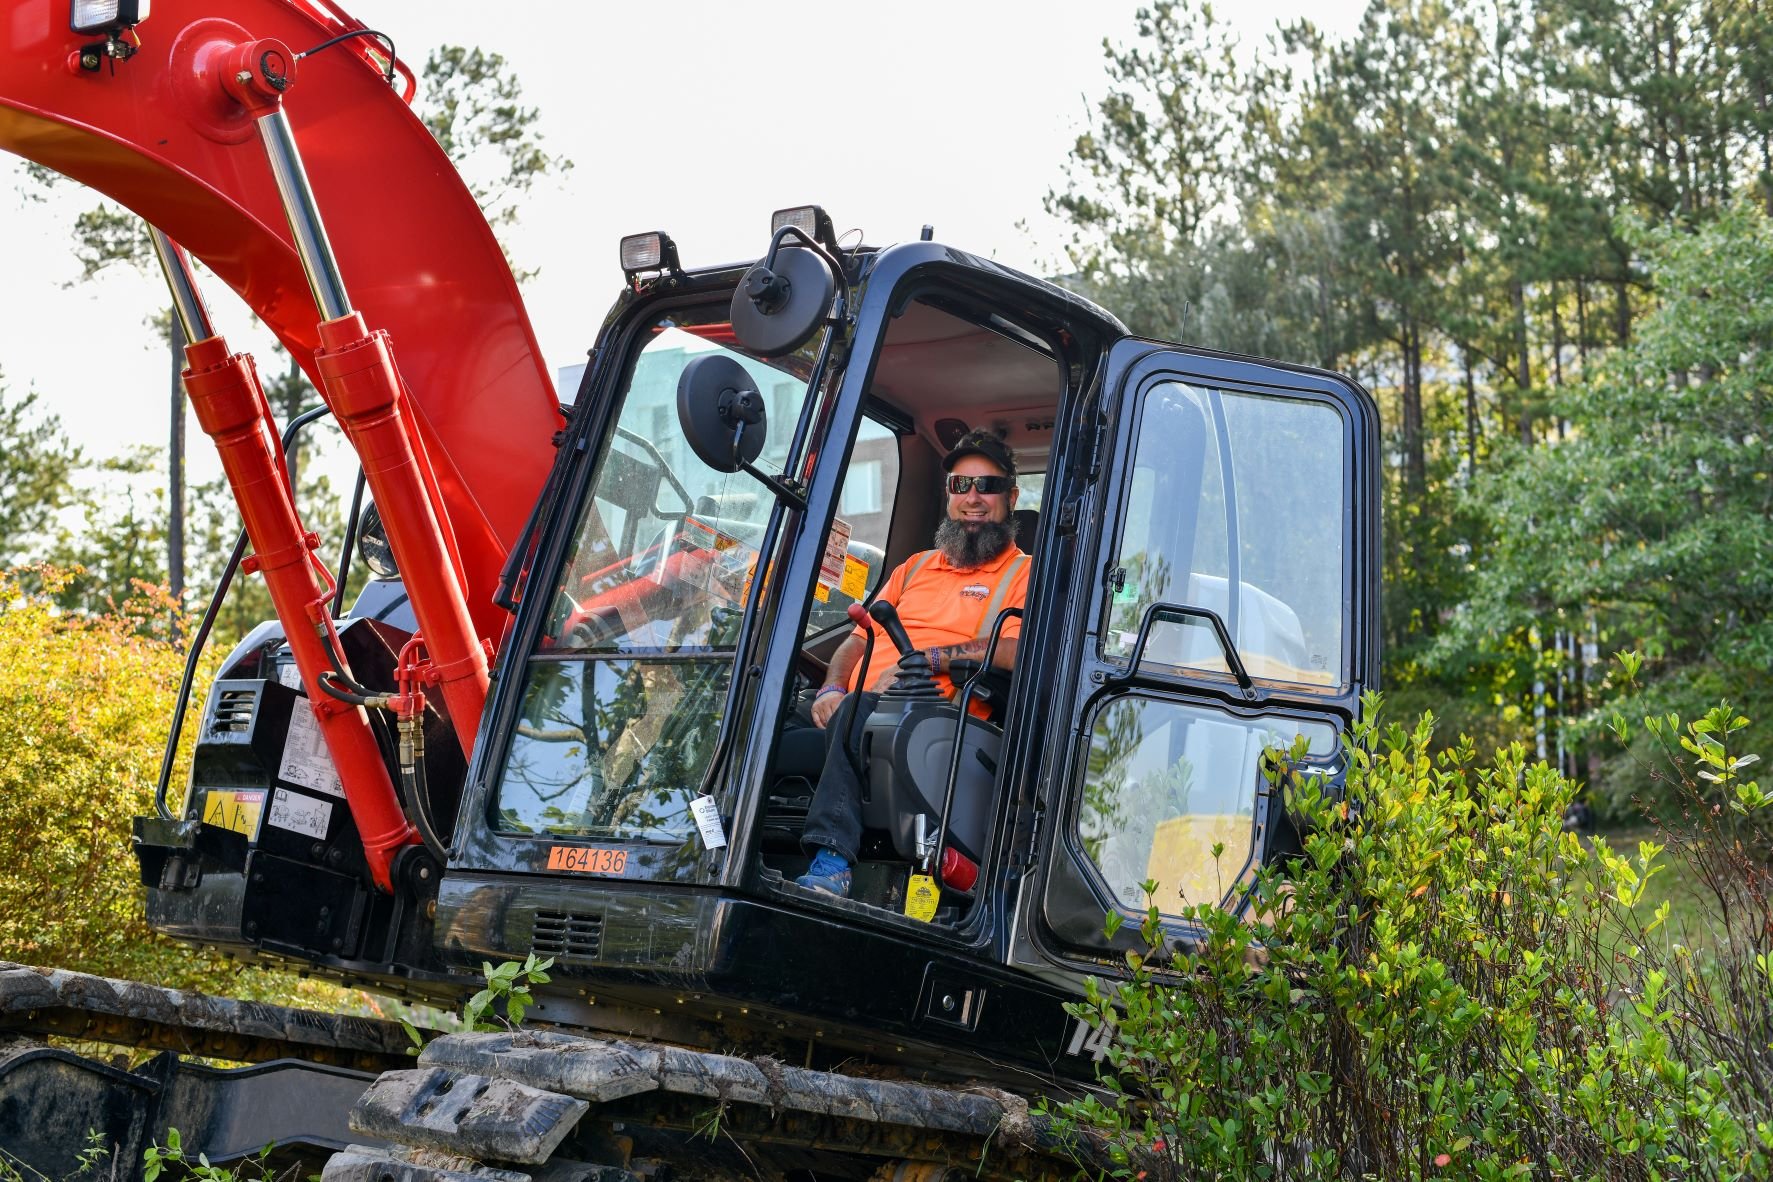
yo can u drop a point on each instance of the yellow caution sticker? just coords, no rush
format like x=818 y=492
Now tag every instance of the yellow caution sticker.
x=855 y=577
x=234 y=809
x=922 y=897
x=822 y=593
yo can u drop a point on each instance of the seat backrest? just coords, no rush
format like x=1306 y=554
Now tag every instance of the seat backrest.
x=1027 y=526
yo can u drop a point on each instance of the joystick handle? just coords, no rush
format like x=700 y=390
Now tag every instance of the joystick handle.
x=887 y=616
x=914 y=679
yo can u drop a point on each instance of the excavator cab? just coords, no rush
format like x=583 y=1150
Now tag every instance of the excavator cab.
x=1202 y=535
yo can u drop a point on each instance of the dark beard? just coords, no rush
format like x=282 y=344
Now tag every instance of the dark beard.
x=969 y=546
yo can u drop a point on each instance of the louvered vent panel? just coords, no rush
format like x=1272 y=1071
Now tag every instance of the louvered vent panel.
x=233 y=711
x=567 y=933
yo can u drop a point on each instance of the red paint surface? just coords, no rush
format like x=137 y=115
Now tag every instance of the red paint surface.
x=161 y=135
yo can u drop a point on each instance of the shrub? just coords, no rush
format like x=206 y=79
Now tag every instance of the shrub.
x=1431 y=990
x=84 y=705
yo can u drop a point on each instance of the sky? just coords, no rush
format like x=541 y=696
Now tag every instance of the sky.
x=698 y=118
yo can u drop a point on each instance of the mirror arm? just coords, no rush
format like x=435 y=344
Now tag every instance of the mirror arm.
x=784 y=493
x=812 y=244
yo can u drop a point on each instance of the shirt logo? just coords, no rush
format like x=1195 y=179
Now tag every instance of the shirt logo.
x=975 y=591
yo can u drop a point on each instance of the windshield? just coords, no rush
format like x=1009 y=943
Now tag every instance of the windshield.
x=623 y=694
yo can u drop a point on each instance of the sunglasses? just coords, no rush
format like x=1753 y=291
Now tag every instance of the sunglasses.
x=959 y=486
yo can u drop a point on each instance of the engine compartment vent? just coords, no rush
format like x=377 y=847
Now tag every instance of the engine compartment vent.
x=233 y=711
x=567 y=933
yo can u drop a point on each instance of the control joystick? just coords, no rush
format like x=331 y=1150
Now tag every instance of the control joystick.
x=915 y=680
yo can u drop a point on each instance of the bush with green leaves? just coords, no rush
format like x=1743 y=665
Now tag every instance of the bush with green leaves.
x=1442 y=985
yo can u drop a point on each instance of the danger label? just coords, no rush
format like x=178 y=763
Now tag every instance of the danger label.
x=235 y=809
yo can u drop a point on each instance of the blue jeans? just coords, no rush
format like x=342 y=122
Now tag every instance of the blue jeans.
x=834 y=820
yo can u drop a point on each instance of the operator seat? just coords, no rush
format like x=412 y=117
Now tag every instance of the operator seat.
x=1027 y=523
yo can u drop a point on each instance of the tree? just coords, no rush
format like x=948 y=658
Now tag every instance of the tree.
x=37 y=466
x=1654 y=515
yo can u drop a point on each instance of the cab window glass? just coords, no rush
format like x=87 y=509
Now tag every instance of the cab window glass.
x=864 y=517
x=1165 y=784
x=623 y=694
x=1232 y=490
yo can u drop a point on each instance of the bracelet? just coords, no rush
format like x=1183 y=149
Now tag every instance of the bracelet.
x=936 y=655
x=830 y=689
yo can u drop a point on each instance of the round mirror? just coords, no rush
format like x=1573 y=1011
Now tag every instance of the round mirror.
x=776 y=311
x=372 y=544
x=721 y=412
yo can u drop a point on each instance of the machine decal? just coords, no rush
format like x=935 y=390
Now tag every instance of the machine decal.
x=833 y=568
x=707 y=814
x=588 y=860
x=300 y=814
x=855 y=578
x=305 y=758
x=236 y=809
x=1090 y=1039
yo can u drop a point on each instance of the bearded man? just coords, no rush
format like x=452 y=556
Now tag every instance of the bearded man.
x=947 y=598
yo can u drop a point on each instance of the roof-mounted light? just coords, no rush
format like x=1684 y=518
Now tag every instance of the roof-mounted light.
x=644 y=253
x=811 y=220
x=93 y=17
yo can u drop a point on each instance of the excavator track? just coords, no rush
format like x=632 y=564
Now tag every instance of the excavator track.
x=88 y=1008
x=553 y=1107
x=518 y=1106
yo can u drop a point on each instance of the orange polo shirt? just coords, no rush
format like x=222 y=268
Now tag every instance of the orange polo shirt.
x=942 y=604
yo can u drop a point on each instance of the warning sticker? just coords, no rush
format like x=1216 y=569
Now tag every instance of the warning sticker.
x=306 y=760
x=300 y=814
x=837 y=544
x=855 y=577
x=234 y=809
x=290 y=676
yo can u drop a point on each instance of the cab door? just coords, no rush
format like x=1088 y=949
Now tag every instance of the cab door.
x=1232 y=609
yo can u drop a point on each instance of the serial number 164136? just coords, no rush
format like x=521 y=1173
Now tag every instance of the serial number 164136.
x=587 y=860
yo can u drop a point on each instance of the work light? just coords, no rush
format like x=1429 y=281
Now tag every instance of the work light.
x=811 y=220
x=642 y=253
x=91 y=17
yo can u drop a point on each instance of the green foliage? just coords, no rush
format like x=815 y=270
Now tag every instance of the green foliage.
x=87 y=1162
x=157 y=1159
x=1438 y=987
x=506 y=997
x=84 y=701
x=36 y=464
x=1651 y=518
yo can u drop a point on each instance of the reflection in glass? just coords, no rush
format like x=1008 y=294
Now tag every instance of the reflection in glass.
x=623 y=696
x=1276 y=532
x=612 y=748
x=1165 y=783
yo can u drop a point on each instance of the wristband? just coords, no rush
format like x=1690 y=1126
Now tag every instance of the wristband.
x=830 y=689
x=936 y=656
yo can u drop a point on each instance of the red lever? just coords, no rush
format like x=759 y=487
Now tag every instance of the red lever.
x=858 y=613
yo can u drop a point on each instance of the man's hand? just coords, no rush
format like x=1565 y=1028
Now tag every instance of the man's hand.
x=887 y=677
x=824 y=706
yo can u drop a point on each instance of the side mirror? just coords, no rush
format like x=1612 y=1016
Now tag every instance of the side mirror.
x=722 y=417
x=721 y=412
x=783 y=299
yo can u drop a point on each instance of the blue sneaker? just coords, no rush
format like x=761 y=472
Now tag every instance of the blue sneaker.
x=828 y=873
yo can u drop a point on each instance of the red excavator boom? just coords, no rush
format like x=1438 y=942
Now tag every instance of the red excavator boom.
x=158 y=132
